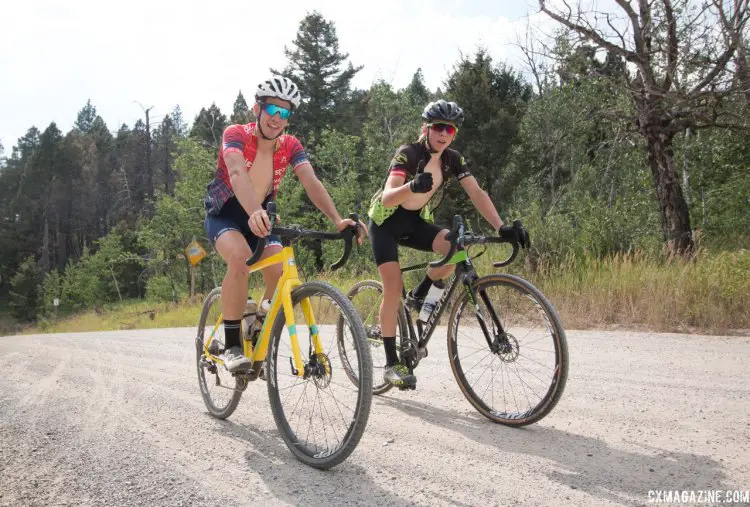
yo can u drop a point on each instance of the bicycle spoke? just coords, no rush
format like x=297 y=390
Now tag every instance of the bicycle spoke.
x=321 y=409
x=520 y=373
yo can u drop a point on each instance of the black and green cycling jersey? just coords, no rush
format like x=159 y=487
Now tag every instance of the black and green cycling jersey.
x=410 y=160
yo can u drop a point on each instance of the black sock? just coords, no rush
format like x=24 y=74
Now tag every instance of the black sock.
x=232 y=333
x=391 y=355
x=420 y=291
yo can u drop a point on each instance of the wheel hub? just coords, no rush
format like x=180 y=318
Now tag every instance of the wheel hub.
x=319 y=369
x=374 y=336
x=507 y=348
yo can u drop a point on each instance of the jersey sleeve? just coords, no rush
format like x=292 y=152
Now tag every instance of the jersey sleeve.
x=234 y=139
x=460 y=167
x=296 y=153
x=403 y=162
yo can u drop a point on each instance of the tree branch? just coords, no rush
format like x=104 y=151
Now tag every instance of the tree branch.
x=622 y=38
x=671 y=74
x=637 y=35
x=591 y=35
x=721 y=64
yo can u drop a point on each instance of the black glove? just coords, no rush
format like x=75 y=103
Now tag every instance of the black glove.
x=516 y=233
x=422 y=183
x=523 y=235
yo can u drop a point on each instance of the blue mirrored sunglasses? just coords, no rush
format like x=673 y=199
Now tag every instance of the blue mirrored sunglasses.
x=273 y=109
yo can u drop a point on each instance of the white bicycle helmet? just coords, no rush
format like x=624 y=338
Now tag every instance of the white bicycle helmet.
x=281 y=88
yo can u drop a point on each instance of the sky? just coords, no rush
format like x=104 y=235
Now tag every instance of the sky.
x=56 y=55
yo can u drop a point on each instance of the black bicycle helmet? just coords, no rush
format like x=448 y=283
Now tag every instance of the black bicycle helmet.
x=443 y=111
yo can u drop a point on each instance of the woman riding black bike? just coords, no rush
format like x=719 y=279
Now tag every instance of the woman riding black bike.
x=400 y=215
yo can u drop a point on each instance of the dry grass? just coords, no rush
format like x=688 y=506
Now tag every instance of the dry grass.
x=710 y=294
x=129 y=315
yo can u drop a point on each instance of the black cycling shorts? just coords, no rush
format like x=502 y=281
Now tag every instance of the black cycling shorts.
x=404 y=227
x=233 y=217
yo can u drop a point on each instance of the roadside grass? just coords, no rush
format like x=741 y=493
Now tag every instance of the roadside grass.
x=709 y=294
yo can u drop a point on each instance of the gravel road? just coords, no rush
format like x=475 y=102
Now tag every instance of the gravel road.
x=116 y=418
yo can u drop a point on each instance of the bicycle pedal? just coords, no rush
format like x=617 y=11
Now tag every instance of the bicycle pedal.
x=243 y=370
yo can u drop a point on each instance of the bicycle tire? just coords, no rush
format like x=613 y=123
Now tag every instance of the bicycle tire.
x=222 y=410
x=371 y=322
x=313 y=455
x=553 y=325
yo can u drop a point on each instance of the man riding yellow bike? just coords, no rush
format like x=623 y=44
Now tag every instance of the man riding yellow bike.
x=253 y=159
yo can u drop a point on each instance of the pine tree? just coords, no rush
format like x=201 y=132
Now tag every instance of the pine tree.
x=86 y=117
x=241 y=113
x=315 y=65
x=165 y=139
x=209 y=126
x=494 y=99
x=417 y=92
x=179 y=123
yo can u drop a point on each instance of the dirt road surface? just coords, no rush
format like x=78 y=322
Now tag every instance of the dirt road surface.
x=116 y=418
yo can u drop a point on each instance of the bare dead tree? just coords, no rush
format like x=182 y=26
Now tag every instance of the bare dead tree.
x=149 y=169
x=122 y=200
x=537 y=56
x=684 y=58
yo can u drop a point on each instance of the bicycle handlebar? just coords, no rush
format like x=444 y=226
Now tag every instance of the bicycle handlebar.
x=347 y=235
x=455 y=237
x=516 y=235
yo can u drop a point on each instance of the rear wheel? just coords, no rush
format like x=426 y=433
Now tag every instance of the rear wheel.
x=366 y=297
x=519 y=376
x=321 y=416
x=220 y=390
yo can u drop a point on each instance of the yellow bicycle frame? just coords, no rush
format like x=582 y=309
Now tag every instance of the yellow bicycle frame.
x=287 y=283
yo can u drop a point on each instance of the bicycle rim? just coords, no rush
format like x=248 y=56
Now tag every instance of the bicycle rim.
x=521 y=377
x=321 y=417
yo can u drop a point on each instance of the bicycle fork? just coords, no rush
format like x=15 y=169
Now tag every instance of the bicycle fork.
x=496 y=342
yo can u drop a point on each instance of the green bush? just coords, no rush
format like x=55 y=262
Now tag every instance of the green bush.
x=162 y=288
x=25 y=290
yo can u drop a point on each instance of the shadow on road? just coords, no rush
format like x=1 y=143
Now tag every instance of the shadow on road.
x=583 y=463
x=298 y=484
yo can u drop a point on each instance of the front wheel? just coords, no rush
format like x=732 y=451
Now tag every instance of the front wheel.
x=321 y=415
x=516 y=373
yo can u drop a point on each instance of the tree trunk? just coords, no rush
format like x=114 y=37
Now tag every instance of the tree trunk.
x=743 y=70
x=168 y=169
x=675 y=215
x=117 y=286
x=686 y=169
x=44 y=261
x=192 y=280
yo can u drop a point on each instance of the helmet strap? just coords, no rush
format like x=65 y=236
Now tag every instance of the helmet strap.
x=427 y=142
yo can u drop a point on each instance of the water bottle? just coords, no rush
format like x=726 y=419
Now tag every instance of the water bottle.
x=430 y=301
x=248 y=317
x=260 y=316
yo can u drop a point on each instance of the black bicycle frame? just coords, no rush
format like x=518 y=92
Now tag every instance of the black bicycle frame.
x=466 y=275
